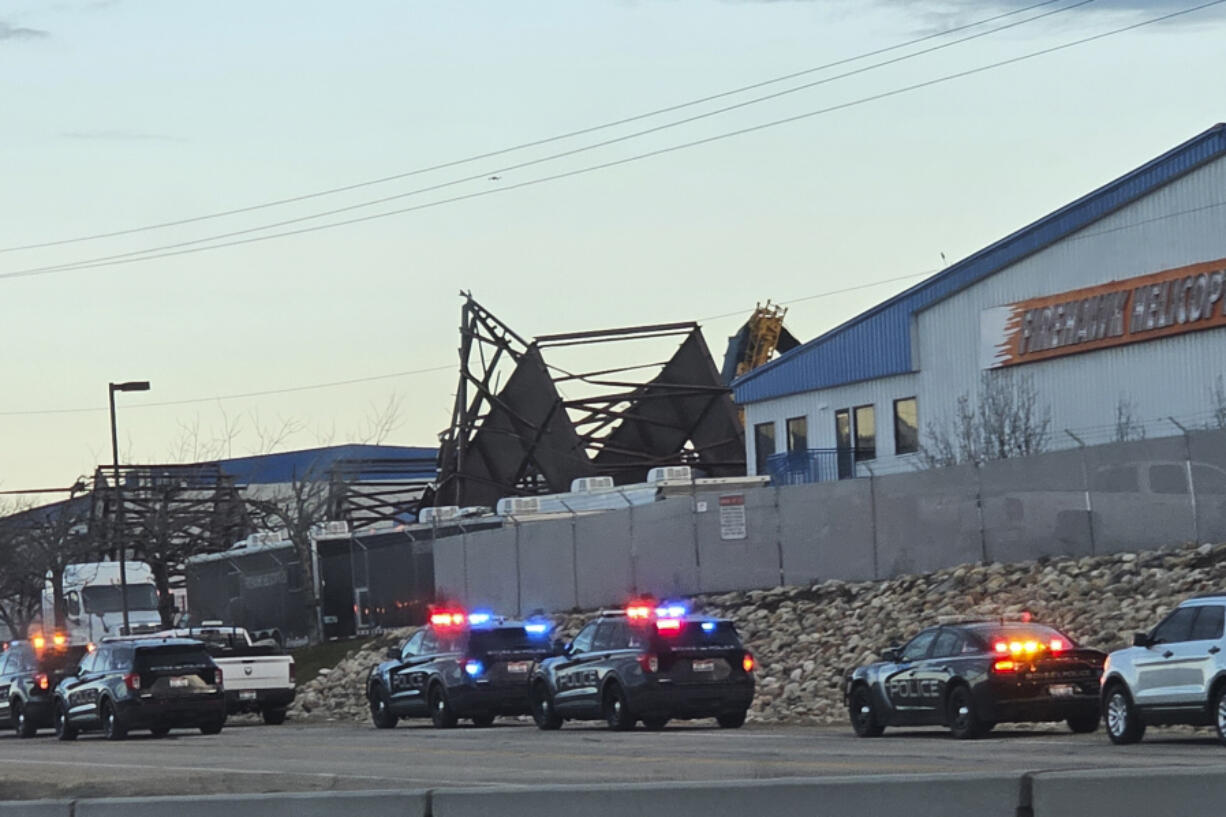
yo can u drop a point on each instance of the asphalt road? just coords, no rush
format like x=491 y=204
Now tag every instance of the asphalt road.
x=302 y=757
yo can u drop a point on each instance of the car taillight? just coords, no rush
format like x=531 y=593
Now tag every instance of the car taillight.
x=650 y=662
x=132 y=681
x=669 y=625
x=292 y=676
x=217 y=676
x=1004 y=665
x=42 y=681
x=747 y=663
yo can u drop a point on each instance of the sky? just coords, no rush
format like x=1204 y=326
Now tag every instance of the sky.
x=129 y=113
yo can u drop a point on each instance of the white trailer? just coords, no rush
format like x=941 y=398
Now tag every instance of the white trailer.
x=93 y=601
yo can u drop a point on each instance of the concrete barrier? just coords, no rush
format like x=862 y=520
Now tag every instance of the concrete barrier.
x=305 y=804
x=37 y=808
x=987 y=795
x=1181 y=790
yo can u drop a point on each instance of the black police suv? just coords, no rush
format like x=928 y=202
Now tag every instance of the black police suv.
x=461 y=665
x=141 y=683
x=971 y=675
x=649 y=664
x=29 y=672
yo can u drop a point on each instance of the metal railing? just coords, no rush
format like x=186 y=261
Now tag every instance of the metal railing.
x=813 y=465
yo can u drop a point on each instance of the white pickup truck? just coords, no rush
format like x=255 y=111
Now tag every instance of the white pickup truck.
x=258 y=675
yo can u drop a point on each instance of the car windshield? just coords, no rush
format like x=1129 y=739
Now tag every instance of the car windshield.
x=106 y=598
x=1011 y=631
x=702 y=634
x=506 y=639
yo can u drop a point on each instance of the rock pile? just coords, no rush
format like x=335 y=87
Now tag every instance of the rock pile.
x=806 y=638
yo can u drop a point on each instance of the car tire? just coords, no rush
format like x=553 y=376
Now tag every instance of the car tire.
x=441 y=713
x=546 y=717
x=214 y=727
x=274 y=716
x=22 y=725
x=1084 y=723
x=617 y=709
x=483 y=721
x=861 y=711
x=63 y=729
x=964 y=722
x=1124 y=725
x=114 y=727
x=160 y=731
x=731 y=720
x=1219 y=712
x=381 y=714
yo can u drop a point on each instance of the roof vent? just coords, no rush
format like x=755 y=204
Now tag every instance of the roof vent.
x=511 y=505
x=670 y=473
x=586 y=485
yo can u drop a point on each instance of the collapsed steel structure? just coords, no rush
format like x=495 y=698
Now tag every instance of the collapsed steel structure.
x=526 y=437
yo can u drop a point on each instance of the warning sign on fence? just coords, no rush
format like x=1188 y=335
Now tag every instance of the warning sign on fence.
x=732 y=516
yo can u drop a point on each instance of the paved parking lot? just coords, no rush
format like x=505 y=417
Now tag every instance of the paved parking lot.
x=298 y=757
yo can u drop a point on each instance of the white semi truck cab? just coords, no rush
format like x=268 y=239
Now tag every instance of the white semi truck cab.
x=93 y=601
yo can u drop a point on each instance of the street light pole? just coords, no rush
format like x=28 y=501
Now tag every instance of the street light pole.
x=117 y=526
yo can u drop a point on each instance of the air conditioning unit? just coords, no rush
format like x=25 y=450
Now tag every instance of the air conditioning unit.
x=429 y=516
x=670 y=473
x=473 y=510
x=340 y=527
x=585 y=485
x=511 y=505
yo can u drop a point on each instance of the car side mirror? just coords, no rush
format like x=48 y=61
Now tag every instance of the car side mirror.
x=561 y=647
x=1142 y=640
x=393 y=653
x=892 y=654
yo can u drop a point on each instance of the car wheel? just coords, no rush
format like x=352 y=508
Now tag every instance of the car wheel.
x=381 y=714
x=731 y=720
x=1219 y=712
x=963 y=722
x=1123 y=723
x=860 y=709
x=63 y=729
x=274 y=716
x=22 y=725
x=547 y=719
x=441 y=713
x=213 y=728
x=617 y=709
x=1084 y=723
x=160 y=731
x=655 y=724
x=113 y=725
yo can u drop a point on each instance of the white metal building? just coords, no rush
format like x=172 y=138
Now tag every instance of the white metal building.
x=1114 y=300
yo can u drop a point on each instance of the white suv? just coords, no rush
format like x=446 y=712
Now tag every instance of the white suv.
x=1175 y=674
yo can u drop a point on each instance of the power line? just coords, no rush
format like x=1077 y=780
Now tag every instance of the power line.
x=525 y=145
x=95 y=263
x=391 y=375
x=135 y=254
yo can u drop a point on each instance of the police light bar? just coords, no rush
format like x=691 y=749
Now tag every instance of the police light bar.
x=638 y=612
x=536 y=628
x=479 y=618
x=39 y=642
x=671 y=611
x=447 y=618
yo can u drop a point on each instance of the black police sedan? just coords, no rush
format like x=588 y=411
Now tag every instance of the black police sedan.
x=650 y=664
x=971 y=675
x=141 y=683
x=29 y=672
x=461 y=665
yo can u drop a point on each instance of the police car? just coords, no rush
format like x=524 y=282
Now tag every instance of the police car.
x=29 y=672
x=646 y=663
x=971 y=675
x=462 y=665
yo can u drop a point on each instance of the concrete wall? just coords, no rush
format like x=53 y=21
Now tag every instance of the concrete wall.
x=1098 y=499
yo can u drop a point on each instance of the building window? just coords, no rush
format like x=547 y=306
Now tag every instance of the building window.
x=906 y=426
x=842 y=442
x=763 y=445
x=866 y=433
x=798 y=434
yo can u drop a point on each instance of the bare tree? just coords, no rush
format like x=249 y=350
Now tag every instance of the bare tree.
x=271 y=436
x=1127 y=425
x=1005 y=421
x=381 y=421
x=36 y=545
x=1217 y=398
x=303 y=504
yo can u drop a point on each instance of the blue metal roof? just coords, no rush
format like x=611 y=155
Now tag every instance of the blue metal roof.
x=877 y=343
x=399 y=462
